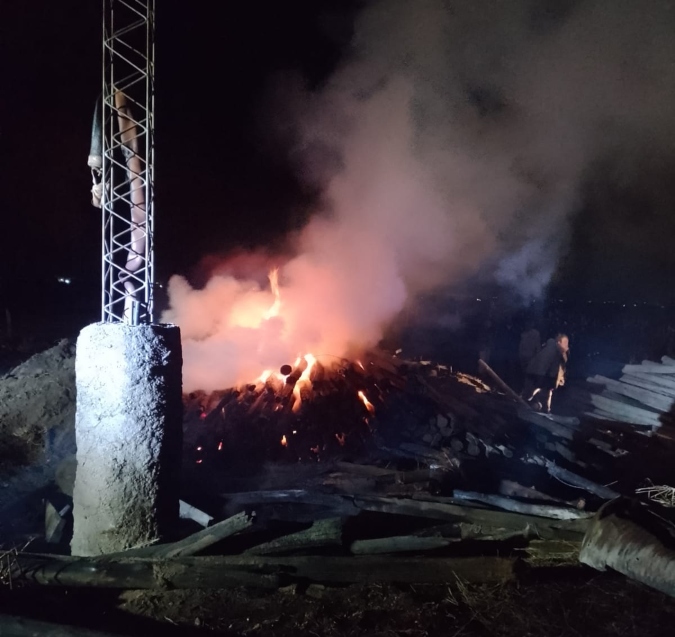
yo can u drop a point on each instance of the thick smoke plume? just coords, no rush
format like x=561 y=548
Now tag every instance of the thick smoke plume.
x=454 y=140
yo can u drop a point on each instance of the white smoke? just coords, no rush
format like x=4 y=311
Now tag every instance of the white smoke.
x=456 y=136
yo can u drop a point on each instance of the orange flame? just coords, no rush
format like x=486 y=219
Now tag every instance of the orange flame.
x=303 y=382
x=284 y=442
x=366 y=402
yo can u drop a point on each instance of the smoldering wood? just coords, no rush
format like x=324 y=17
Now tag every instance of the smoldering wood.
x=321 y=534
x=259 y=571
x=508 y=504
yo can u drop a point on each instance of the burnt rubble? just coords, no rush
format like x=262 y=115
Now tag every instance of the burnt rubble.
x=389 y=470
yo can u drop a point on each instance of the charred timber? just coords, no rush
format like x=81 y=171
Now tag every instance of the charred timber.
x=264 y=572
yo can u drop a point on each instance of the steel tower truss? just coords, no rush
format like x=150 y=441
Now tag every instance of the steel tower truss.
x=128 y=160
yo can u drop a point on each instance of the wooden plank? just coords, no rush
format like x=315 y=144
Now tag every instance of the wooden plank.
x=400 y=544
x=666 y=382
x=196 y=542
x=539 y=510
x=651 y=385
x=540 y=420
x=649 y=367
x=430 y=507
x=572 y=479
x=626 y=413
x=644 y=396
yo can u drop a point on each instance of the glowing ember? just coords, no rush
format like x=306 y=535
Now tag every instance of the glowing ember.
x=220 y=446
x=341 y=439
x=303 y=382
x=284 y=442
x=366 y=402
x=199 y=461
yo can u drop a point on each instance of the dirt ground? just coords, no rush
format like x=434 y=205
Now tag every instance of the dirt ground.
x=555 y=602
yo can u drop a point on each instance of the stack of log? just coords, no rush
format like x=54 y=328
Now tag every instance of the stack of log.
x=641 y=397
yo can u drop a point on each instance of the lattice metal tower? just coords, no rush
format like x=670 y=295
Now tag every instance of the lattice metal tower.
x=127 y=171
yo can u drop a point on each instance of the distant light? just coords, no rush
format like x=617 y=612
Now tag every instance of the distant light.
x=65 y=280
x=478 y=300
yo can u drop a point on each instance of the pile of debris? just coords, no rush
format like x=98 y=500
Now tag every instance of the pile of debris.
x=389 y=470
x=644 y=396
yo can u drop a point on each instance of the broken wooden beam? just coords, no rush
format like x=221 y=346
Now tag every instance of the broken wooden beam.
x=322 y=533
x=429 y=507
x=400 y=544
x=508 y=504
x=572 y=479
x=196 y=542
x=261 y=571
x=483 y=366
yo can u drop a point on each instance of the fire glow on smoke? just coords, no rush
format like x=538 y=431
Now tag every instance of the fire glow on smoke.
x=236 y=331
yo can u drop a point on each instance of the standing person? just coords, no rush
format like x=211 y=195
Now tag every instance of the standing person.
x=546 y=371
x=530 y=345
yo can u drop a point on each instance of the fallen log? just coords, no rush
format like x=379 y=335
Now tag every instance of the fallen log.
x=399 y=544
x=196 y=542
x=322 y=533
x=429 y=507
x=572 y=479
x=538 y=510
x=483 y=366
x=269 y=572
x=626 y=545
x=22 y=627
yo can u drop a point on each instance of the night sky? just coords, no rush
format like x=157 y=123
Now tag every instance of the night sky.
x=221 y=182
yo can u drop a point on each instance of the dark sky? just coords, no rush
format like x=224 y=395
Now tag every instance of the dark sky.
x=218 y=186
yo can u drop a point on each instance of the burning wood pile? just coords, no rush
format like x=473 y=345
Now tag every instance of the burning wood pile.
x=377 y=470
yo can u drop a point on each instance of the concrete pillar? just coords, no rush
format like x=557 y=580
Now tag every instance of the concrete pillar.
x=128 y=429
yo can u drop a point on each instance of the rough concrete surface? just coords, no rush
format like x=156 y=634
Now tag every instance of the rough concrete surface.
x=37 y=406
x=128 y=433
